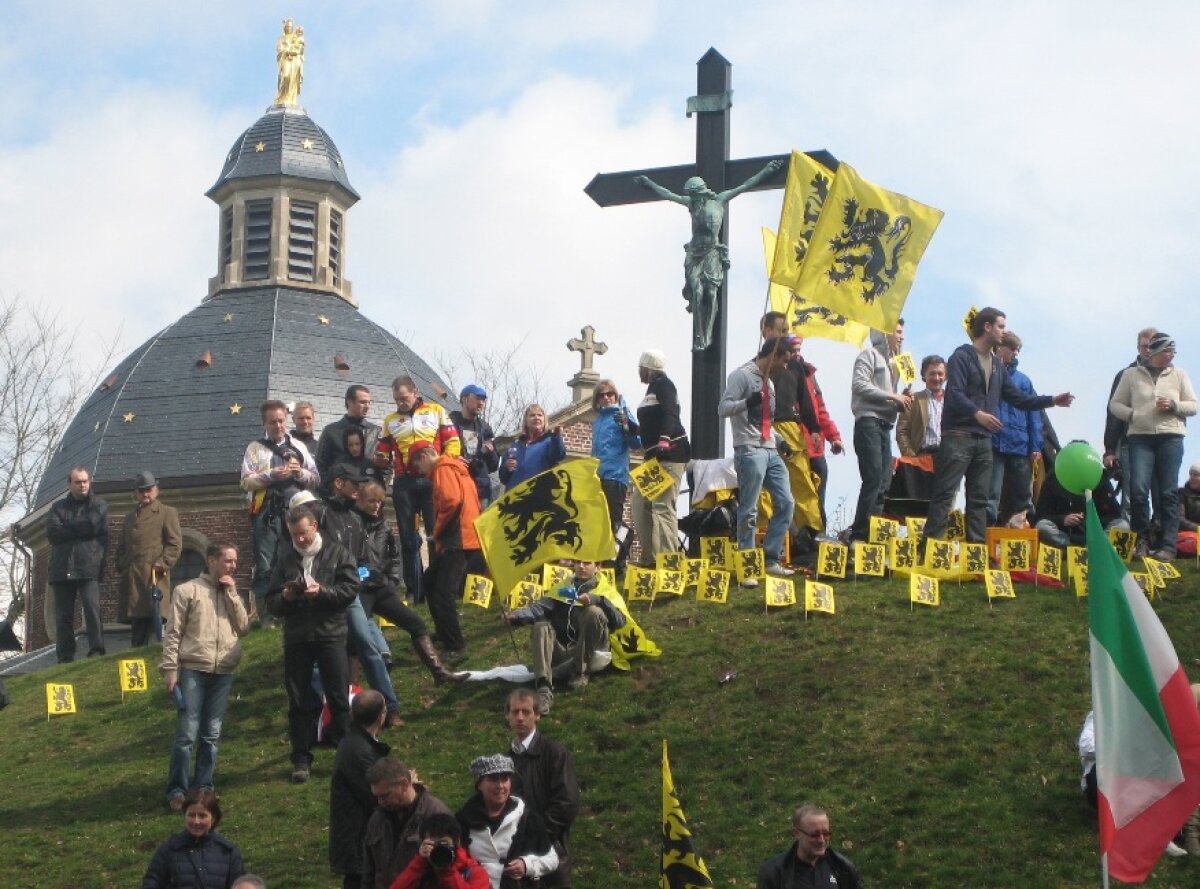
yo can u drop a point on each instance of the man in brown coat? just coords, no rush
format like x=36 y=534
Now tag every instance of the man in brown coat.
x=150 y=544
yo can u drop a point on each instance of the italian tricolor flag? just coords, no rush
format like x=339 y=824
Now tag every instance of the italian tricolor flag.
x=1147 y=724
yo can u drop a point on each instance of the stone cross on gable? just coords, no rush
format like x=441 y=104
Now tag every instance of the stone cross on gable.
x=588 y=347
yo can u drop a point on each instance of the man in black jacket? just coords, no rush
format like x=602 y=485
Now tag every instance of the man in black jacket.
x=810 y=861
x=312 y=584
x=478 y=439
x=331 y=446
x=77 y=528
x=545 y=778
x=351 y=801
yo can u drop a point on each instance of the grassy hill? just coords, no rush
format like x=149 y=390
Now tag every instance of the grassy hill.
x=942 y=741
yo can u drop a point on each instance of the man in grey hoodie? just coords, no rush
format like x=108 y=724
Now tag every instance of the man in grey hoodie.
x=749 y=405
x=875 y=404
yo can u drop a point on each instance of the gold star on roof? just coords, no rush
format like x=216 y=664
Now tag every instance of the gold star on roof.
x=260 y=147
x=128 y=416
x=323 y=319
x=307 y=143
x=229 y=316
x=235 y=408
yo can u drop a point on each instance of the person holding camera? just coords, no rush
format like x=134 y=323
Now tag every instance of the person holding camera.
x=393 y=837
x=442 y=863
x=274 y=468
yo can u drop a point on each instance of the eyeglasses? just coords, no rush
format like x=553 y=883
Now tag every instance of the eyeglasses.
x=817 y=834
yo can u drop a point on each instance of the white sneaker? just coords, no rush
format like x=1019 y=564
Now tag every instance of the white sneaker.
x=750 y=583
x=777 y=570
x=1173 y=850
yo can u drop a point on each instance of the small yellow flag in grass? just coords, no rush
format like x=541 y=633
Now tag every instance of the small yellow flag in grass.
x=671 y=582
x=780 y=592
x=1158 y=570
x=999 y=584
x=940 y=557
x=1076 y=559
x=751 y=564
x=869 y=559
x=1145 y=583
x=923 y=590
x=715 y=551
x=673 y=561
x=831 y=559
x=956 y=525
x=1014 y=555
x=904 y=552
x=523 y=594
x=132 y=674
x=651 y=479
x=60 y=699
x=1080 y=576
x=713 y=586
x=883 y=529
x=915 y=525
x=477 y=590
x=974 y=558
x=1050 y=561
x=641 y=583
x=695 y=567
x=1123 y=542
x=1169 y=571
x=818 y=597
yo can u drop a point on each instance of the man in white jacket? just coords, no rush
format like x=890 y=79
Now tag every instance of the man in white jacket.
x=200 y=652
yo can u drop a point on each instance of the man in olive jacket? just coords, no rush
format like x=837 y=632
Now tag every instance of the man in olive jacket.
x=77 y=528
x=312 y=584
x=151 y=542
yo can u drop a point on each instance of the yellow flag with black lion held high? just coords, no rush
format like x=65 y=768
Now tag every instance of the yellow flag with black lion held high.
x=557 y=514
x=682 y=866
x=863 y=254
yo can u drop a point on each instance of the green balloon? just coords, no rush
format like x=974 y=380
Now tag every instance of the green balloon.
x=1078 y=467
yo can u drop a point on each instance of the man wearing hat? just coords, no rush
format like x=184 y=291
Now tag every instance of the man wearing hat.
x=478 y=439
x=503 y=832
x=1155 y=398
x=663 y=436
x=151 y=543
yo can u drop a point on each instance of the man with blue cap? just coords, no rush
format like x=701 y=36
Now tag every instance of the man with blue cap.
x=478 y=439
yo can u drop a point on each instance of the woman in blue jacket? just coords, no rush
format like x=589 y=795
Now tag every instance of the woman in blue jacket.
x=196 y=857
x=614 y=433
x=535 y=451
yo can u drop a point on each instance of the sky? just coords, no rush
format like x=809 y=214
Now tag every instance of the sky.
x=1057 y=138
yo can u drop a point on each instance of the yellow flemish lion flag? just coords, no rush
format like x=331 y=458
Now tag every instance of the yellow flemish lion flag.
x=883 y=529
x=522 y=594
x=923 y=590
x=803 y=317
x=558 y=514
x=60 y=699
x=869 y=559
x=974 y=558
x=864 y=251
x=999 y=584
x=780 y=592
x=682 y=866
x=477 y=590
x=133 y=675
x=650 y=479
x=831 y=559
x=713 y=586
x=641 y=583
x=804 y=195
x=715 y=551
x=818 y=597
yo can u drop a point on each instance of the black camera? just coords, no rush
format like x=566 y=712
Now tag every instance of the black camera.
x=442 y=854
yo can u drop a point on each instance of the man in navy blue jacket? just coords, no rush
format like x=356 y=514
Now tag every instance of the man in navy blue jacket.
x=976 y=383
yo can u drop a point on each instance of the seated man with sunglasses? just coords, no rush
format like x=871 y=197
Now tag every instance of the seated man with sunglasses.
x=810 y=861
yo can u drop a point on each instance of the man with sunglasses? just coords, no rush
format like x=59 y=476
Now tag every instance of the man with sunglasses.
x=810 y=861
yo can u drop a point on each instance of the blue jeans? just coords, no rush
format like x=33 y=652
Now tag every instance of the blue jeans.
x=1154 y=462
x=958 y=457
x=1014 y=471
x=759 y=468
x=204 y=696
x=873 y=448
x=358 y=630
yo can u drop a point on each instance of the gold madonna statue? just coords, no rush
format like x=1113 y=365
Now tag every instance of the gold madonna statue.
x=289 y=53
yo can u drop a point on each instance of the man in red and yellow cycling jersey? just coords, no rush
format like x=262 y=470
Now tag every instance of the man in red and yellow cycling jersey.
x=414 y=419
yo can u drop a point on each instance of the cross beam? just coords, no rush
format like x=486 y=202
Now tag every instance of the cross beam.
x=714 y=78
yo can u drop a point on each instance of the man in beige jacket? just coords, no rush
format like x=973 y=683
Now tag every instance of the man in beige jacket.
x=200 y=652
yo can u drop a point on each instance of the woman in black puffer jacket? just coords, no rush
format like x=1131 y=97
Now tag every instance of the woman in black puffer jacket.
x=196 y=857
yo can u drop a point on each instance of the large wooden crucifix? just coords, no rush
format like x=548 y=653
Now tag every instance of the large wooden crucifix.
x=714 y=78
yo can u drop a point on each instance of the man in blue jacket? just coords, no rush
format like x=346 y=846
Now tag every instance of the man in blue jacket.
x=1018 y=445
x=976 y=383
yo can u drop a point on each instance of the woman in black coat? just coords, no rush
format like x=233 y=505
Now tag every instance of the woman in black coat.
x=197 y=857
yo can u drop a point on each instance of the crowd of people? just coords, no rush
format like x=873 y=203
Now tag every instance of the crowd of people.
x=326 y=560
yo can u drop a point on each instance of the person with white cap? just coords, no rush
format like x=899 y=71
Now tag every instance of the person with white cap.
x=664 y=438
x=1155 y=398
x=503 y=832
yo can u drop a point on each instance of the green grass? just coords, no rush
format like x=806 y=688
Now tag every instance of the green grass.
x=942 y=741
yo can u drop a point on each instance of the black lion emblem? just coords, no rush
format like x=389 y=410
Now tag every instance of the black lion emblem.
x=545 y=511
